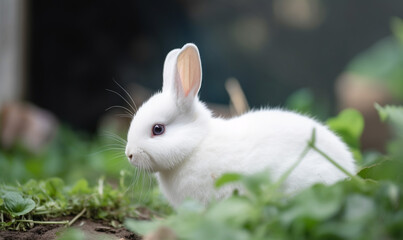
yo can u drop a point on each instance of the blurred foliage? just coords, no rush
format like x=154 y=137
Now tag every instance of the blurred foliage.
x=345 y=210
x=349 y=124
x=69 y=156
x=304 y=101
x=367 y=206
x=394 y=116
x=382 y=63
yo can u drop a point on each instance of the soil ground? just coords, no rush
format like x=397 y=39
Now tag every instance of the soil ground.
x=93 y=230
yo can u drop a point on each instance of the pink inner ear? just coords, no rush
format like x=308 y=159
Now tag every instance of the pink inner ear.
x=188 y=65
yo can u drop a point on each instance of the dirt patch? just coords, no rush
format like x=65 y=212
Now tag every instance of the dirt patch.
x=93 y=230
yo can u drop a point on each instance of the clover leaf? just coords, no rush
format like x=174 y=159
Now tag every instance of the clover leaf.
x=16 y=205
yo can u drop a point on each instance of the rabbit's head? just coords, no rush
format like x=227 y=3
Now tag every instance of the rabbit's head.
x=171 y=124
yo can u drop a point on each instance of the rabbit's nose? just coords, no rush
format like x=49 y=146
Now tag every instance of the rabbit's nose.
x=129 y=154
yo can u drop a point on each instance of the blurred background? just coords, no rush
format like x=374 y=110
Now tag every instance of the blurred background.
x=57 y=58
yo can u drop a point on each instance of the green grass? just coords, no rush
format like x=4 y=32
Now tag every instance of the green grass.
x=70 y=156
x=38 y=202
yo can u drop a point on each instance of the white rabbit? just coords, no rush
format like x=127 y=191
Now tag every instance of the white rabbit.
x=174 y=135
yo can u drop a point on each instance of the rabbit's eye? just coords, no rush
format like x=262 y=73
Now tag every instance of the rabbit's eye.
x=158 y=129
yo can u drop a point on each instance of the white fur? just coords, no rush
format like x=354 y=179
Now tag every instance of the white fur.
x=196 y=148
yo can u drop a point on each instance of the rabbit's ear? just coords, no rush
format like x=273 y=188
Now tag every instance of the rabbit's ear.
x=188 y=66
x=182 y=74
x=170 y=73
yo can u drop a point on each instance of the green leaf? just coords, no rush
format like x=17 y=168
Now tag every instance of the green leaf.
x=389 y=169
x=359 y=212
x=190 y=206
x=223 y=211
x=227 y=178
x=393 y=114
x=381 y=111
x=211 y=229
x=258 y=184
x=141 y=227
x=349 y=125
x=54 y=187
x=16 y=205
x=359 y=208
x=81 y=187
x=318 y=203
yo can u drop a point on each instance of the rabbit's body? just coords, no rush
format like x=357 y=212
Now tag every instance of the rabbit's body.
x=251 y=143
x=175 y=135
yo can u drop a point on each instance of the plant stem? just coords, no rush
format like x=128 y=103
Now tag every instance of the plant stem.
x=354 y=177
x=43 y=222
x=285 y=175
x=77 y=217
x=332 y=161
x=309 y=146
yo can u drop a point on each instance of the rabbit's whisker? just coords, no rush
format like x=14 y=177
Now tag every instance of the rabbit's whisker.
x=134 y=107
x=121 y=107
x=124 y=99
x=118 y=145
x=124 y=115
x=106 y=150
x=115 y=137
